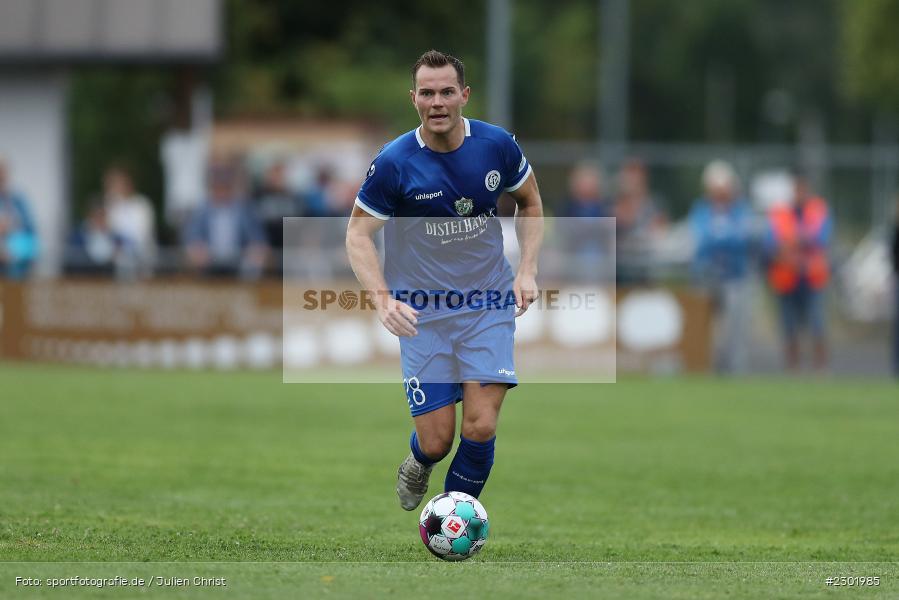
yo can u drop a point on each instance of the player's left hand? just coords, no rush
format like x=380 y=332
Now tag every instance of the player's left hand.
x=525 y=288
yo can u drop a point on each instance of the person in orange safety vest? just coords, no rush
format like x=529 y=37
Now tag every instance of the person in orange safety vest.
x=798 y=268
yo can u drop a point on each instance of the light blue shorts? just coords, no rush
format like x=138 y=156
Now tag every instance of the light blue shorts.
x=476 y=345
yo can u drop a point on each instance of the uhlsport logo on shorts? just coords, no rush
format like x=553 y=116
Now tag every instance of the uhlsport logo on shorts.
x=492 y=180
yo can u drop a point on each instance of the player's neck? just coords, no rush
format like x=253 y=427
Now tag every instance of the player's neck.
x=444 y=142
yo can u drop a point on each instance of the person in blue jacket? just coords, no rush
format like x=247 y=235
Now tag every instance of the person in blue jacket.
x=18 y=237
x=225 y=236
x=721 y=224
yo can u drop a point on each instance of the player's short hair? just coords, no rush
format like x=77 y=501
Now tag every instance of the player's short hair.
x=436 y=59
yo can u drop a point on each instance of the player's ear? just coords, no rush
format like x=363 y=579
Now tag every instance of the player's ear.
x=466 y=91
x=412 y=95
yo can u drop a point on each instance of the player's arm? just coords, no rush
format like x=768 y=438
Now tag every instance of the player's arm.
x=529 y=229
x=399 y=318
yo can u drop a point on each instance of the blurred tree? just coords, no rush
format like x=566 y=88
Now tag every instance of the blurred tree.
x=801 y=45
x=555 y=69
x=673 y=47
x=767 y=61
x=349 y=58
x=871 y=49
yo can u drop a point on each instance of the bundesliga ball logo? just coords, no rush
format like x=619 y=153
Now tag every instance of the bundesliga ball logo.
x=347 y=300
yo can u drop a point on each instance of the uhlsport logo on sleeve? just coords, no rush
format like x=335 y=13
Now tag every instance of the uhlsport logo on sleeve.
x=464 y=206
x=492 y=180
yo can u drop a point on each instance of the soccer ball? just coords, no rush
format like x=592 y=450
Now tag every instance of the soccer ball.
x=453 y=526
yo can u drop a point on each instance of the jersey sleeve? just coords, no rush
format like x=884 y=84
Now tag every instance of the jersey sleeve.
x=379 y=192
x=517 y=168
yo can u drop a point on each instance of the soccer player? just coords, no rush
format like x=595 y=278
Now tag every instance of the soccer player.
x=434 y=190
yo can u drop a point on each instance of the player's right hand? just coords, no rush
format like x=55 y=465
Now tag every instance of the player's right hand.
x=398 y=317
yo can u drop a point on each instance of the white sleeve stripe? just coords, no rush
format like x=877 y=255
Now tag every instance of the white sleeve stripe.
x=520 y=181
x=370 y=210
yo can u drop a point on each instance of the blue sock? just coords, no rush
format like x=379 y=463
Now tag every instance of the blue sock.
x=470 y=467
x=419 y=455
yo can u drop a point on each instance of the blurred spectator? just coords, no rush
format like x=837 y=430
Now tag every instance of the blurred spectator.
x=638 y=221
x=796 y=253
x=895 y=254
x=581 y=231
x=275 y=200
x=721 y=224
x=130 y=216
x=18 y=238
x=225 y=236
x=342 y=198
x=95 y=249
x=585 y=197
x=317 y=199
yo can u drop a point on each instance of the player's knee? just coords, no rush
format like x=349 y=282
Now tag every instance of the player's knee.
x=436 y=447
x=479 y=430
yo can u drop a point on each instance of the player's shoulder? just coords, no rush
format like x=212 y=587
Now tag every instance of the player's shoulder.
x=483 y=129
x=399 y=149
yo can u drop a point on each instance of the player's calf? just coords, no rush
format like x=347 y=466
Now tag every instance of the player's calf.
x=470 y=467
x=474 y=457
x=415 y=472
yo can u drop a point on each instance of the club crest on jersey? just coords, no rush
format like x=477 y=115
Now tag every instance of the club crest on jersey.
x=464 y=206
x=492 y=180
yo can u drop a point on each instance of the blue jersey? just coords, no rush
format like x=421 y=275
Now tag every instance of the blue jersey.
x=446 y=237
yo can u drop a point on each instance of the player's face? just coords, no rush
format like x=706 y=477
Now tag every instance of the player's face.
x=438 y=99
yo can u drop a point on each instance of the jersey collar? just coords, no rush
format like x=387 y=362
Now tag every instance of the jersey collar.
x=421 y=142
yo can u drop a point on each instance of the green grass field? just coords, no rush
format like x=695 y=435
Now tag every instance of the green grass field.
x=691 y=488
